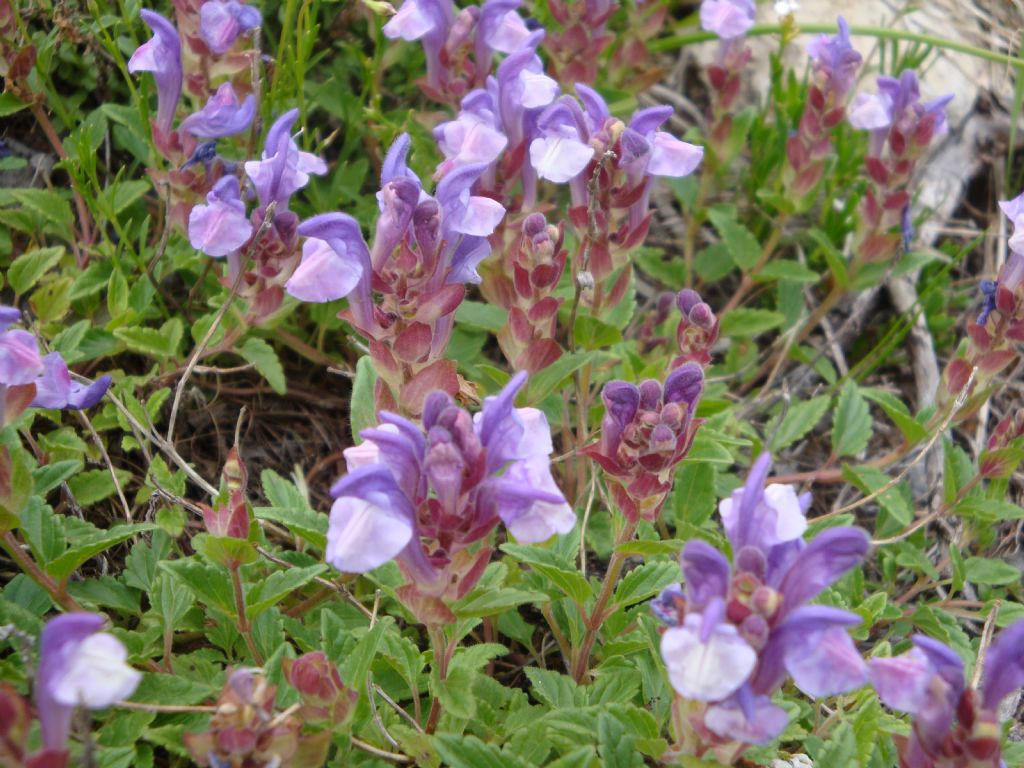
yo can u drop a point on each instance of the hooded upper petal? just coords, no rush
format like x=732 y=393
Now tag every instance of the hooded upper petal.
x=19 y=358
x=161 y=55
x=902 y=682
x=1004 y=666
x=222 y=116
x=221 y=23
x=827 y=557
x=705 y=573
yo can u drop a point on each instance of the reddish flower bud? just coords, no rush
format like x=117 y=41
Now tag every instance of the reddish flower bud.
x=229 y=520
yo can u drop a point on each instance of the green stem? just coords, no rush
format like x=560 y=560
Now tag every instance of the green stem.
x=581 y=661
x=243 y=620
x=31 y=569
x=678 y=41
x=443 y=651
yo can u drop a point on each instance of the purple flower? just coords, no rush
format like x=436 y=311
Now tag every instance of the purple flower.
x=729 y=19
x=561 y=151
x=284 y=169
x=749 y=622
x=19 y=353
x=521 y=89
x=835 y=58
x=952 y=724
x=222 y=116
x=474 y=137
x=334 y=260
x=79 y=666
x=447 y=484
x=161 y=55
x=221 y=22
x=220 y=227
x=1014 y=210
x=54 y=388
x=429 y=21
x=500 y=28
x=898 y=105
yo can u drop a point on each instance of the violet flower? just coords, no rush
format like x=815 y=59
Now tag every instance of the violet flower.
x=221 y=226
x=79 y=666
x=19 y=353
x=424 y=495
x=430 y=22
x=55 y=389
x=749 y=622
x=953 y=726
x=834 y=57
x=897 y=105
x=499 y=28
x=729 y=19
x=161 y=55
x=284 y=169
x=222 y=116
x=221 y=22
x=334 y=260
x=474 y=137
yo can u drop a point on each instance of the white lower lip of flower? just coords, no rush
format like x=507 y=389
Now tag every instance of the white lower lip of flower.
x=96 y=675
x=363 y=535
x=707 y=671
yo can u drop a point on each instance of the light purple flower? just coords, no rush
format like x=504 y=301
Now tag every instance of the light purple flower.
x=161 y=55
x=474 y=137
x=221 y=226
x=332 y=265
x=1014 y=210
x=284 y=169
x=222 y=116
x=429 y=21
x=19 y=353
x=561 y=152
x=729 y=19
x=450 y=482
x=1004 y=666
x=836 y=59
x=221 y=22
x=897 y=104
x=55 y=389
x=499 y=28
x=79 y=666
x=761 y=600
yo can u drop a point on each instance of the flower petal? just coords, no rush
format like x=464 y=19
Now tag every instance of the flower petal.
x=706 y=671
x=324 y=274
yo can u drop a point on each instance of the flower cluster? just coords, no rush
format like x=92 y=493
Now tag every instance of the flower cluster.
x=902 y=128
x=210 y=31
x=222 y=227
x=425 y=250
x=646 y=432
x=537 y=262
x=730 y=20
x=737 y=632
x=954 y=726
x=459 y=48
x=576 y=49
x=79 y=666
x=424 y=496
x=30 y=380
x=697 y=331
x=1000 y=325
x=835 y=64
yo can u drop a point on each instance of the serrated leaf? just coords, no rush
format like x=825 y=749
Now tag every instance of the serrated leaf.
x=88 y=547
x=851 y=426
x=897 y=410
x=162 y=342
x=264 y=358
x=48 y=204
x=53 y=474
x=554 y=689
x=468 y=751
x=276 y=587
x=646 y=581
x=743 y=247
x=26 y=270
x=291 y=510
x=493 y=601
x=799 y=419
x=750 y=322
x=693 y=496
x=554 y=570
x=785 y=269
x=95 y=485
x=869 y=479
x=545 y=381
x=208 y=583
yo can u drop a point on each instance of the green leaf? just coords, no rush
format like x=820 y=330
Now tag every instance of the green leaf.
x=363 y=414
x=800 y=418
x=488 y=317
x=88 y=547
x=896 y=409
x=469 y=752
x=693 y=495
x=357 y=664
x=276 y=587
x=992 y=509
x=785 y=269
x=291 y=509
x=122 y=194
x=162 y=343
x=869 y=479
x=208 y=583
x=554 y=689
x=9 y=104
x=987 y=570
x=545 y=382
x=833 y=257
x=592 y=333
x=93 y=280
x=652 y=262
x=554 y=570
x=26 y=270
x=47 y=204
x=95 y=485
x=264 y=358
x=646 y=581
x=489 y=602
x=51 y=475
x=743 y=246
x=851 y=426
x=750 y=322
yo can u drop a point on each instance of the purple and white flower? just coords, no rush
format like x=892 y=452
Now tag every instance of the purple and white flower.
x=221 y=226
x=222 y=116
x=161 y=55
x=284 y=169
x=221 y=22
